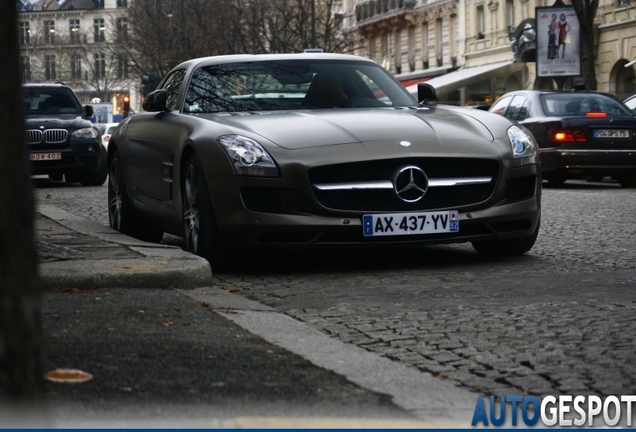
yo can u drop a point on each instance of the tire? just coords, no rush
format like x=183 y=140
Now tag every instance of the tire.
x=507 y=247
x=71 y=178
x=56 y=177
x=121 y=216
x=628 y=181
x=201 y=233
x=100 y=176
x=555 y=179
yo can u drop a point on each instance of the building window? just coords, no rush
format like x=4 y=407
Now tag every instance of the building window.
x=76 y=67
x=425 y=46
x=99 y=4
x=439 y=32
x=411 y=48
x=74 y=31
x=397 y=51
x=49 y=32
x=99 y=30
x=510 y=13
x=122 y=66
x=49 y=67
x=99 y=69
x=122 y=3
x=25 y=62
x=25 y=33
x=622 y=3
x=481 y=22
x=122 y=28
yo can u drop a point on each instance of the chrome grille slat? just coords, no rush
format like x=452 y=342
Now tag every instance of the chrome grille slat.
x=55 y=136
x=34 y=136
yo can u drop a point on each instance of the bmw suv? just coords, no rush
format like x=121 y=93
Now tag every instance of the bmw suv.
x=62 y=141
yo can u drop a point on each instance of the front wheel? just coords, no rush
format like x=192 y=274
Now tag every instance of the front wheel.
x=120 y=213
x=503 y=247
x=200 y=231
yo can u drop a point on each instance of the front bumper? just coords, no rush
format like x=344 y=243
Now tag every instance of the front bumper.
x=83 y=158
x=580 y=163
x=299 y=222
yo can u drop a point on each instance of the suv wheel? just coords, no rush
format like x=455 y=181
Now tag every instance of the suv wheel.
x=100 y=176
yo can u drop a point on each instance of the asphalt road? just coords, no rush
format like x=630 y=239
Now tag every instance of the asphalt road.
x=558 y=320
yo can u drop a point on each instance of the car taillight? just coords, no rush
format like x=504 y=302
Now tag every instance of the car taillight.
x=569 y=135
x=596 y=114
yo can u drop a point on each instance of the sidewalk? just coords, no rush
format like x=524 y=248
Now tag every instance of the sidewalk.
x=77 y=253
x=166 y=347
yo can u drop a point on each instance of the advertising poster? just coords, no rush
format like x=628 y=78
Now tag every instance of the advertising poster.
x=558 y=42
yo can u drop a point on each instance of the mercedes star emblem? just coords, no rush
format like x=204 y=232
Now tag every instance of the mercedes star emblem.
x=410 y=183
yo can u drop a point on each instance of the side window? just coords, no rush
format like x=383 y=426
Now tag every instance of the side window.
x=172 y=87
x=500 y=106
x=518 y=108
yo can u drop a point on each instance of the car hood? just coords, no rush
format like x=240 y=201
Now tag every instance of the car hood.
x=57 y=122
x=314 y=128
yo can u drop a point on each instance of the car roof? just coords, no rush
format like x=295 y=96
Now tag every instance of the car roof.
x=550 y=91
x=237 y=58
x=55 y=84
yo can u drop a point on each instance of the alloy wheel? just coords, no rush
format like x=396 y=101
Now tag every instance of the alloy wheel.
x=114 y=195
x=191 y=216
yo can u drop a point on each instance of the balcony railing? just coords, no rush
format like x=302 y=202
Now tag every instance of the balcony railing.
x=376 y=8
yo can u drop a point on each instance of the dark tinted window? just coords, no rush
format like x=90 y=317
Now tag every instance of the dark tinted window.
x=500 y=106
x=518 y=108
x=292 y=84
x=54 y=100
x=172 y=87
x=573 y=104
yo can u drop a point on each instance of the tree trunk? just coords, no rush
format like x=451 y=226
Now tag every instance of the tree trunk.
x=586 y=11
x=20 y=356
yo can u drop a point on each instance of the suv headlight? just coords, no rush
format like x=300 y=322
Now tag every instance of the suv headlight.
x=86 y=133
x=524 y=149
x=248 y=157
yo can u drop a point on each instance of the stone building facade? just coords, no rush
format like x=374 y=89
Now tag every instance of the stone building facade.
x=463 y=47
x=80 y=43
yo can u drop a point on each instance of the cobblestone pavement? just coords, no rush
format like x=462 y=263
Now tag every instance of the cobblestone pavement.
x=558 y=320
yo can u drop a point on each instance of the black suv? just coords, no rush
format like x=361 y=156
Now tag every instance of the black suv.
x=62 y=141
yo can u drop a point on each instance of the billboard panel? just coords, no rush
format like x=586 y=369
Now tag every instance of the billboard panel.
x=558 y=42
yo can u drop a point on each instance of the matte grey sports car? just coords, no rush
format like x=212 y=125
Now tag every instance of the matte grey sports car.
x=310 y=150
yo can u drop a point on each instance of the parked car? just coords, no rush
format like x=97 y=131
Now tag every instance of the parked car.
x=580 y=134
x=107 y=131
x=631 y=103
x=317 y=150
x=62 y=141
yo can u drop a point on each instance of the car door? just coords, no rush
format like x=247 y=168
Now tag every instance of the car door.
x=153 y=152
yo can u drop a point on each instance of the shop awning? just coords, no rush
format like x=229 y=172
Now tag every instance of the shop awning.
x=464 y=77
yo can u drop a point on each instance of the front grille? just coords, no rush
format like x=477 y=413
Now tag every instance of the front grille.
x=386 y=200
x=49 y=136
x=55 y=136
x=521 y=188
x=34 y=136
x=262 y=200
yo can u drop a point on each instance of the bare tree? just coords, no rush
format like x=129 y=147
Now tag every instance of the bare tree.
x=165 y=32
x=20 y=357
x=586 y=12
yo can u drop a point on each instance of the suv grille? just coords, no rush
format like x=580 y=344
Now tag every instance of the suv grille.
x=50 y=136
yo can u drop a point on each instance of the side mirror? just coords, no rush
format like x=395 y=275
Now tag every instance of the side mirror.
x=155 y=101
x=88 y=111
x=426 y=93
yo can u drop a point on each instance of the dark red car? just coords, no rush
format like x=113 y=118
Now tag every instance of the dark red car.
x=580 y=134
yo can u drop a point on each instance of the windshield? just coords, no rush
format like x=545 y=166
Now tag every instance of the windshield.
x=572 y=104
x=292 y=85
x=54 y=100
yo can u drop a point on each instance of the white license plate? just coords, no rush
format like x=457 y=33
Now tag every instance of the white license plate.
x=611 y=133
x=410 y=223
x=45 y=156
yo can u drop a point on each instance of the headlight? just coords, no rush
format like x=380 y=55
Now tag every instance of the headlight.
x=248 y=157
x=86 y=133
x=524 y=149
